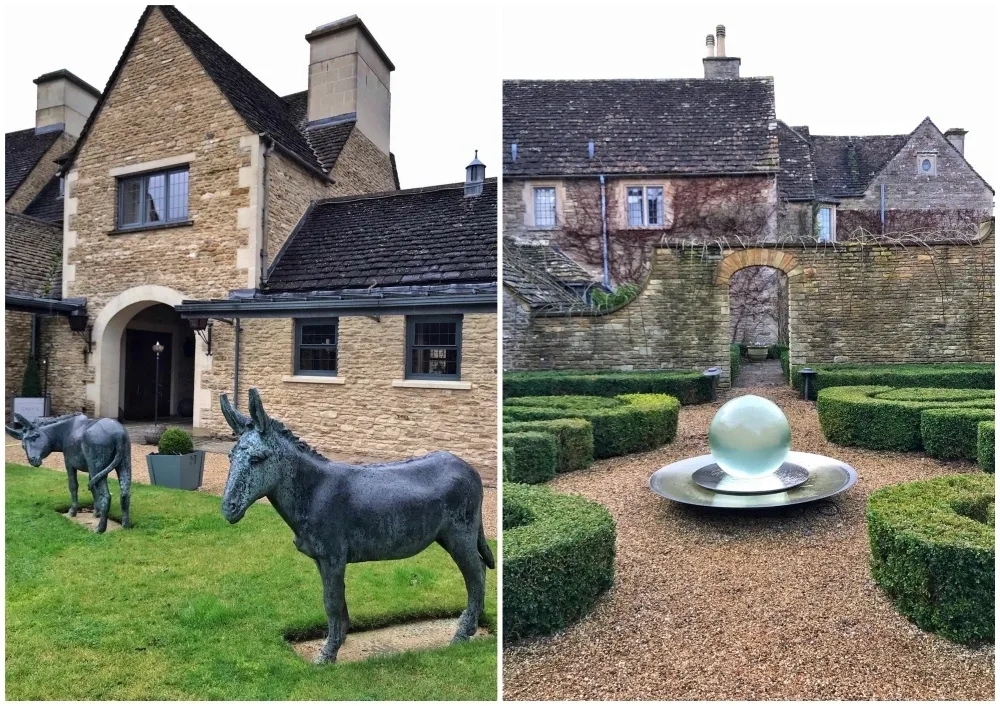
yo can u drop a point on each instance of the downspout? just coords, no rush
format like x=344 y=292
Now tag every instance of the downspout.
x=265 y=211
x=236 y=363
x=604 y=233
x=882 y=205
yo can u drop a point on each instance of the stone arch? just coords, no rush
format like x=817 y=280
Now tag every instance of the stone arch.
x=109 y=327
x=736 y=261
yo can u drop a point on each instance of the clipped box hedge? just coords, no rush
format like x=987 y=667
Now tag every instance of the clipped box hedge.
x=688 y=387
x=884 y=419
x=735 y=355
x=529 y=457
x=622 y=425
x=986 y=445
x=574 y=440
x=950 y=434
x=558 y=558
x=969 y=376
x=932 y=545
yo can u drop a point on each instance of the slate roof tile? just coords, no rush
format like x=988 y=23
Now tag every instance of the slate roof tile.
x=795 y=180
x=32 y=256
x=845 y=165
x=21 y=151
x=542 y=276
x=48 y=204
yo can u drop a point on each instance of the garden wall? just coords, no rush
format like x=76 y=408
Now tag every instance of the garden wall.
x=847 y=303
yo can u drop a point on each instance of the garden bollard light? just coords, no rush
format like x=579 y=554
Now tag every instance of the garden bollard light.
x=714 y=372
x=807 y=375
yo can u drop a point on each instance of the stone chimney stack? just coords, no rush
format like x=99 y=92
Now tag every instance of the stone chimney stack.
x=718 y=65
x=956 y=136
x=349 y=79
x=65 y=101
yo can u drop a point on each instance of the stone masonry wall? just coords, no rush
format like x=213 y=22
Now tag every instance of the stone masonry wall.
x=290 y=189
x=366 y=418
x=40 y=175
x=16 y=346
x=362 y=168
x=845 y=305
x=516 y=323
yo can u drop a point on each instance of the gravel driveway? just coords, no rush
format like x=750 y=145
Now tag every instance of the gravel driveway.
x=717 y=604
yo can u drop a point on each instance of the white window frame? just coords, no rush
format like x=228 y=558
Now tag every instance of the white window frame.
x=534 y=207
x=930 y=156
x=645 y=205
x=832 y=235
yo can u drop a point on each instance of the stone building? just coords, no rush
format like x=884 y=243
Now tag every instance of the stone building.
x=607 y=173
x=263 y=242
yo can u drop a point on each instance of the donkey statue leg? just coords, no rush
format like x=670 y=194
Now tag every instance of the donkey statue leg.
x=125 y=494
x=74 y=490
x=335 y=602
x=464 y=549
x=102 y=504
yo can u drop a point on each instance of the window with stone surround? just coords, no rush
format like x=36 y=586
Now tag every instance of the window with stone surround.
x=545 y=206
x=824 y=223
x=316 y=346
x=434 y=347
x=644 y=206
x=927 y=163
x=152 y=199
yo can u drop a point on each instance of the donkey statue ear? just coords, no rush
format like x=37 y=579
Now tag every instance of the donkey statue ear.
x=237 y=421
x=257 y=413
x=15 y=432
x=22 y=420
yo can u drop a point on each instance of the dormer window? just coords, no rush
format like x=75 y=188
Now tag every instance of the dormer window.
x=927 y=164
x=152 y=199
x=644 y=205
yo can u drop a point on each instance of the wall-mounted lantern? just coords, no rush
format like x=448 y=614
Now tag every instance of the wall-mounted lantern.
x=203 y=327
x=79 y=325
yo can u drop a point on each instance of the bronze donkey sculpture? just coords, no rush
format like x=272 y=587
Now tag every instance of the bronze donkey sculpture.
x=95 y=446
x=343 y=514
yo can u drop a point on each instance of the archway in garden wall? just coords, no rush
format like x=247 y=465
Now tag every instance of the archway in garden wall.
x=123 y=359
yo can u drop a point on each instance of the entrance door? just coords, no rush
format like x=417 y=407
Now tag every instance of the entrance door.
x=141 y=374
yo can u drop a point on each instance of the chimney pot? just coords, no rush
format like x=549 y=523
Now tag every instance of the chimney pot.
x=65 y=101
x=956 y=136
x=720 y=40
x=710 y=45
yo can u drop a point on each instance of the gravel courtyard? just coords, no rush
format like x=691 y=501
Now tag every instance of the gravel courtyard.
x=711 y=604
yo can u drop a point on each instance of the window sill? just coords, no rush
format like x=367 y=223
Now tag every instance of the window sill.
x=315 y=379
x=434 y=384
x=142 y=229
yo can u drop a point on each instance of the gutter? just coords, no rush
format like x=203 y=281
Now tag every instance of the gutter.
x=39 y=305
x=604 y=234
x=319 y=307
x=265 y=214
x=640 y=175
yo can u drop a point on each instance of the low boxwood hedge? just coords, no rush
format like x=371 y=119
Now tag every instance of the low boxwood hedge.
x=735 y=354
x=622 y=425
x=986 y=445
x=969 y=376
x=881 y=418
x=951 y=434
x=558 y=558
x=530 y=457
x=688 y=387
x=574 y=440
x=932 y=545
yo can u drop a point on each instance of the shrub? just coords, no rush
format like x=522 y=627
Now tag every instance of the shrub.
x=783 y=357
x=607 y=301
x=952 y=433
x=558 y=558
x=688 y=387
x=932 y=545
x=574 y=440
x=880 y=418
x=175 y=441
x=735 y=353
x=969 y=376
x=986 y=445
x=31 y=383
x=532 y=459
x=622 y=425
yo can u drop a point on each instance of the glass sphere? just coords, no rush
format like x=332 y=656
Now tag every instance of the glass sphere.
x=749 y=437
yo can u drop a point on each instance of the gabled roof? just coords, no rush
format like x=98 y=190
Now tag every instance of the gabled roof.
x=664 y=126
x=543 y=276
x=263 y=110
x=429 y=236
x=795 y=180
x=48 y=203
x=326 y=140
x=32 y=256
x=845 y=165
x=21 y=152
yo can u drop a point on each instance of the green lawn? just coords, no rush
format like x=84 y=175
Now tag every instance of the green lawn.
x=186 y=606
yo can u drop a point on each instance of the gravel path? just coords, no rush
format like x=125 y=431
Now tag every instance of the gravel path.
x=711 y=604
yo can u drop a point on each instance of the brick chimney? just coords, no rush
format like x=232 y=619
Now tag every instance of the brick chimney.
x=719 y=65
x=956 y=136
x=349 y=79
x=65 y=101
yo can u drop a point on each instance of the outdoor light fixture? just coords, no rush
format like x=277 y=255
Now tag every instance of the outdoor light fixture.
x=157 y=348
x=203 y=327
x=475 y=175
x=713 y=374
x=79 y=326
x=807 y=375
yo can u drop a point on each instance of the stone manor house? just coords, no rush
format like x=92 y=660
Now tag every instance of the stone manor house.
x=599 y=176
x=261 y=240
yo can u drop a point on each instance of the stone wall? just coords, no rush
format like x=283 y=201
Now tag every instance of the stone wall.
x=366 y=418
x=516 y=324
x=40 y=175
x=290 y=189
x=846 y=304
x=361 y=168
x=17 y=344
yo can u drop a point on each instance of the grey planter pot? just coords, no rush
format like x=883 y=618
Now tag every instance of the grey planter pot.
x=757 y=354
x=184 y=471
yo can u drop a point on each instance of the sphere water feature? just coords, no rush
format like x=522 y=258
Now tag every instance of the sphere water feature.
x=750 y=437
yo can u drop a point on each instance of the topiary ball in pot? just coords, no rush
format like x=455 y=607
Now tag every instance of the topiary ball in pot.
x=175 y=442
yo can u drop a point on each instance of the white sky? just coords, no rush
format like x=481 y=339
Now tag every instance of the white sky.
x=845 y=69
x=445 y=89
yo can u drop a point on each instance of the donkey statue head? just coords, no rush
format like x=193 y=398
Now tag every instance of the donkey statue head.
x=35 y=442
x=254 y=462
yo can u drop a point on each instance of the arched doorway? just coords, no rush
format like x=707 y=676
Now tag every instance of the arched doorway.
x=126 y=373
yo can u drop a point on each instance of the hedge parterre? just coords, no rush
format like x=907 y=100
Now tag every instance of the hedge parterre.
x=529 y=457
x=621 y=425
x=688 y=387
x=887 y=419
x=574 y=440
x=932 y=545
x=987 y=445
x=558 y=558
x=952 y=434
x=971 y=376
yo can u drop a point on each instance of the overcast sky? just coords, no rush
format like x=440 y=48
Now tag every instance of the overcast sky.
x=844 y=69
x=445 y=89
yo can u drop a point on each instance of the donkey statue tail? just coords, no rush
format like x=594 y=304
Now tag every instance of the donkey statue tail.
x=119 y=457
x=484 y=549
